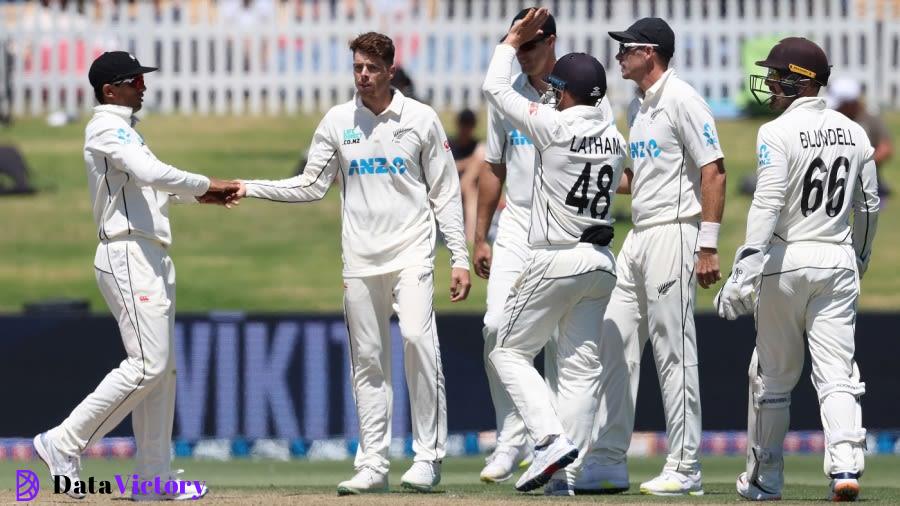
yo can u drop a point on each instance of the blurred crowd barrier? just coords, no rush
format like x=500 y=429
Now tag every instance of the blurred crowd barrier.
x=285 y=56
x=287 y=377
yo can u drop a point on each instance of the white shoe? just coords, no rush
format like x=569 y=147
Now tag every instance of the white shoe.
x=547 y=460
x=58 y=462
x=844 y=487
x=597 y=478
x=422 y=476
x=559 y=485
x=192 y=490
x=499 y=466
x=753 y=492
x=365 y=481
x=673 y=483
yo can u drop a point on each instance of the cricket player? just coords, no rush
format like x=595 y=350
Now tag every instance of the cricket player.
x=130 y=190
x=511 y=157
x=566 y=282
x=802 y=261
x=397 y=177
x=677 y=185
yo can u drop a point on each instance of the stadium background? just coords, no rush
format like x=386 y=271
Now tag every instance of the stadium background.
x=262 y=346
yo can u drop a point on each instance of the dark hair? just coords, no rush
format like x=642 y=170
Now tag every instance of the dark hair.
x=374 y=44
x=98 y=94
x=466 y=118
x=664 y=57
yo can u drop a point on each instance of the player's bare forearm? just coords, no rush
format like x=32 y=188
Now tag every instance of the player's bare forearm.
x=883 y=152
x=712 y=203
x=490 y=187
x=625 y=182
x=712 y=191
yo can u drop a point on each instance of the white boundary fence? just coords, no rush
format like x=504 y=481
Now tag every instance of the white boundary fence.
x=291 y=55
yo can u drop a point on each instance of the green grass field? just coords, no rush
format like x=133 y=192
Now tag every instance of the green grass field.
x=277 y=257
x=305 y=482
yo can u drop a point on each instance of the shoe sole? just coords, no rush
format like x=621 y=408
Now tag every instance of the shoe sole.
x=422 y=489
x=670 y=494
x=488 y=479
x=542 y=479
x=40 y=450
x=342 y=491
x=845 y=492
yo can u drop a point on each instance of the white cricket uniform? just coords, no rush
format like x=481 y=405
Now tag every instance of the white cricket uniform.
x=130 y=190
x=672 y=135
x=397 y=177
x=510 y=251
x=815 y=167
x=566 y=283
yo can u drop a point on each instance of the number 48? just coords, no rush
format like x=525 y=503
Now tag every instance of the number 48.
x=604 y=183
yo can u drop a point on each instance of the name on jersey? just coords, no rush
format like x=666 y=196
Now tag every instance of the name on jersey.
x=826 y=137
x=364 y=166
x=596 y=145
x=643 y=149
x=517 y=138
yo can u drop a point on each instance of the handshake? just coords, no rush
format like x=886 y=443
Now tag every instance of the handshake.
x=223 y=193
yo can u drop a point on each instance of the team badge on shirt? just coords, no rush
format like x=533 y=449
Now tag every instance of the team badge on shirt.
x=352 y=136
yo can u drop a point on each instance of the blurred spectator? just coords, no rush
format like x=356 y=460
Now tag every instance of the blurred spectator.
x=845 y=96
x=469 y=155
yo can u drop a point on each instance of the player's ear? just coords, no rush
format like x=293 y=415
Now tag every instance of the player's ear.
x=551 y=41
x=107 y=92
x=391 y=71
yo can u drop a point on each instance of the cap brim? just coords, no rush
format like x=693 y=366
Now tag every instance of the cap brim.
x=138 y=71
x=623 y=36
x=767 y=64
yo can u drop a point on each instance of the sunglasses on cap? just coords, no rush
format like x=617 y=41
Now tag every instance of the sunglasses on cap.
x=531 y=44
x=135 y=82
x=625 y=47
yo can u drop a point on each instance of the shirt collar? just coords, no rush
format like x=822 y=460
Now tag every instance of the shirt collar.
x=124 y=112
x=395 y=107
x=657 y=87
x=815 y=103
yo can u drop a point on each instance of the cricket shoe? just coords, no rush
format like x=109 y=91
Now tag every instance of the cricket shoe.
x=58 y=462
x=500 y=465
x=673 y=483
x=597 y=478
x=365 y=481
x=190 y=491
x=753 y=492
x=422 y=476
x=844 y=487
x=548 y=459
x=559 y=485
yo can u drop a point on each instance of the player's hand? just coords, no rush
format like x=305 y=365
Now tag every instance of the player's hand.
x=481 y=259
x=221 y=192
x=527 y=28
x=459 y=284
x=708 y=267
x=737 y=296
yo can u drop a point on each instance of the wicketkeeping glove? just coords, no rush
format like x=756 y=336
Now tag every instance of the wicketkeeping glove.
x=737 y=296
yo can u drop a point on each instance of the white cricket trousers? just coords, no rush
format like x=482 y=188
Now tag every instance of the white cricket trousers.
x=565 y=289
x=137 y=280
x=368 y=304
x=510 y=252
x=813 y=289
x=654 y=300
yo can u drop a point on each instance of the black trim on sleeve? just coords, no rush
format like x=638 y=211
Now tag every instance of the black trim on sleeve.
x=322 y=171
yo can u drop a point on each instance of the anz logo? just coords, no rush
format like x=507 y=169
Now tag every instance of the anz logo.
x=517 y=138
x=364 y=166
x=642 y=149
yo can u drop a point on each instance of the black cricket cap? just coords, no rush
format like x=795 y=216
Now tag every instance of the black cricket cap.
x=649 y=31
x=549 y=27
x=113 y=66
x=581 y=75
x=799 y=56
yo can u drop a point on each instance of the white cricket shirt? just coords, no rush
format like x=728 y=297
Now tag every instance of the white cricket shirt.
x=580 y=158
x=672 y=135
x=130 y=188
x=814 y=167
x=397 y=176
